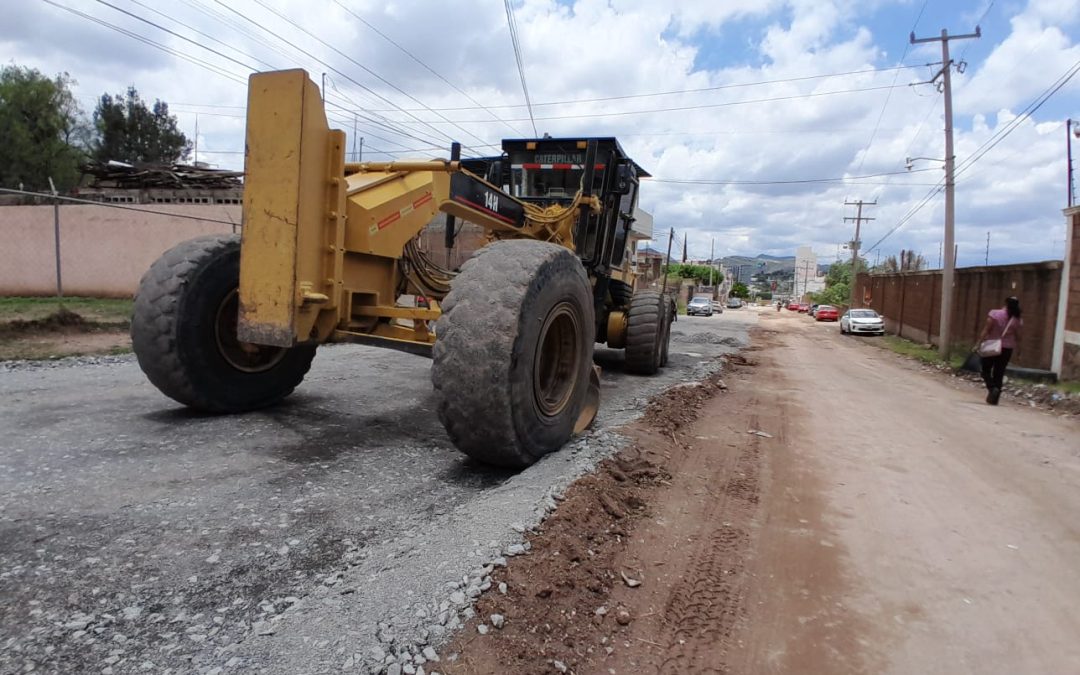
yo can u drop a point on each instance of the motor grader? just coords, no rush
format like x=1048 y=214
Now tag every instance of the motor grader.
x=329 y=248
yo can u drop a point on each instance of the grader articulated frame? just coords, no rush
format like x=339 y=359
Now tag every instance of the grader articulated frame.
x=329 y=247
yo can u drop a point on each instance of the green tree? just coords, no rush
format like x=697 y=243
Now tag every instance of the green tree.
x=838 y=283
x=739 y=290
x=909 y=261
x=130 y=131
x=40 y=127
x=700 y=273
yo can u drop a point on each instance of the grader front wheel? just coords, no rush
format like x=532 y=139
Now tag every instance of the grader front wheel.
x=183 y=331
x=513 y=353
x=647 y=332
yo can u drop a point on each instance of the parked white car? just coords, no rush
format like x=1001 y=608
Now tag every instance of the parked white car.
x=702 y=306
x=862 y=321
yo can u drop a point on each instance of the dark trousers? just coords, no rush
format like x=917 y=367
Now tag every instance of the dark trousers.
x=993 y=368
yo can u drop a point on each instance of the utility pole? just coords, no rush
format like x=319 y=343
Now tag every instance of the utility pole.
x=712 y=252
x=56 y=236
x=987 y=263
x=1068 y=162
x=950 y=185
x=196 y=139
x=859 y=218
x=667 y=266
x=355 y=156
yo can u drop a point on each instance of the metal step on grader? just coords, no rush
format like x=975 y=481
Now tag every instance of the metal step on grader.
x=228 y=324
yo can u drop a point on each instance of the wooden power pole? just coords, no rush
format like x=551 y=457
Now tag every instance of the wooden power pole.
x=949 y=266
x=859 y=218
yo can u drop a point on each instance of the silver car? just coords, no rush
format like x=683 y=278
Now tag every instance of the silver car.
x=862 y=321
x=701 y=306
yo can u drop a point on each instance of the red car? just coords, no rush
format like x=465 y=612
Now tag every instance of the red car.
x=804 y=307
x=827 y=313
x=793 y=306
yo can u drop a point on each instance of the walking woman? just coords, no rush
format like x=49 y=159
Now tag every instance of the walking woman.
x=997 y=342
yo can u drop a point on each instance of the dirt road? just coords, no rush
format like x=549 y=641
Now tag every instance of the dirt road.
x=831 y=508
x=908 y=526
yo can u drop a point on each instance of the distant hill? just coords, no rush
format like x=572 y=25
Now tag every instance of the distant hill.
x=773 y=263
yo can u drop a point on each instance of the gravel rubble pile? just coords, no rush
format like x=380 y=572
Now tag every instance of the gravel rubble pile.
x=338 y=532
x=66 y=362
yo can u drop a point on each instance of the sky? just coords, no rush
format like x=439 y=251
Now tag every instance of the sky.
x=758 y=119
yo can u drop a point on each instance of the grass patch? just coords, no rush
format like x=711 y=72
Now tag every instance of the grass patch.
x=94 y=310
x=921 y=352
x=1071 y=387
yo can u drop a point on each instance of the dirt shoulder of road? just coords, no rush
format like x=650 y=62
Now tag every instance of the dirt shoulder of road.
x=1059 y=399
x=646 y=566
x=45 y=328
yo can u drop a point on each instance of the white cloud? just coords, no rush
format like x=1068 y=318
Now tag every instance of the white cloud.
x=595 y=48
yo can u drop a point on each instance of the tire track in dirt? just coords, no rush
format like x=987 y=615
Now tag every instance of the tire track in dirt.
x=676 y=511
x=707 y=603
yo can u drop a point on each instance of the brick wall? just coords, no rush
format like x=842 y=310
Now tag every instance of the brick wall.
x=911 y=304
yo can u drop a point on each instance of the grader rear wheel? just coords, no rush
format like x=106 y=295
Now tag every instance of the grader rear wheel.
x=183 y=331
x=513 y=353
x=665 y=339
x=621 y=293
x=646 y=332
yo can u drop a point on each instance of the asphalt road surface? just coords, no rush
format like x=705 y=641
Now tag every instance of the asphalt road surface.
x=339 y=531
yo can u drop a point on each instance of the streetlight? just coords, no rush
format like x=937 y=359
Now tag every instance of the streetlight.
x=911 y=161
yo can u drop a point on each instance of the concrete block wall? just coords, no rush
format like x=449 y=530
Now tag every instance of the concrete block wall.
x=911 y=304
x=104 y=251
x=1067 y=343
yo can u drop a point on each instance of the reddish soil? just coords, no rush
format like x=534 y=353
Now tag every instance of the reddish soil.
x=642 y=568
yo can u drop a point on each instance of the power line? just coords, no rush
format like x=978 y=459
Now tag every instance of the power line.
x=888 y=96
x=674 y=92
x=175 y=34
x=322 y=62
x=431 y=70
x=725 y=104
x=1020 y=119
x=359 y=65
x=224 y=19
x=157 y=45
x=986 y=147
x=512 y=23
x=212 y=67
x=780 y=182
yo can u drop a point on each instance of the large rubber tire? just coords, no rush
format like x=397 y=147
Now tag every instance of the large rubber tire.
x=665 y=339
x=645 y=332
x=513 y=352
x=183 y=331
x=621 y=293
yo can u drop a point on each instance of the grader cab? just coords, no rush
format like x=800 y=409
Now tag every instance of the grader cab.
x=228 y=324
